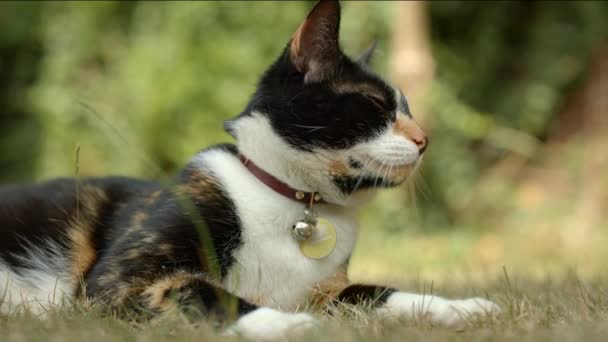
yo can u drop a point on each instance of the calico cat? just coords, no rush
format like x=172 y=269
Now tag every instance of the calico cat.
x=320 y=135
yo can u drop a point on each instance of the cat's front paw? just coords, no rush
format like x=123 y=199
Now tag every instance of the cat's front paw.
x=440 y=311
x=271 y=324
x=456 y=313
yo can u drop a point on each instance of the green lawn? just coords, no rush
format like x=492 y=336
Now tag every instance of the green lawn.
x=566 y=309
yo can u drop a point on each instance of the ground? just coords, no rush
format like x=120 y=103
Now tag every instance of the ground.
x=565 y=309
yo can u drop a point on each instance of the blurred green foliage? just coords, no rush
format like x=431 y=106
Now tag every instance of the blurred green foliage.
x=20 y=57
x=141 y=86
x=504 y=69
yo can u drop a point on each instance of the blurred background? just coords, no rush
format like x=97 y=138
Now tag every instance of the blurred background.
x=513 y=94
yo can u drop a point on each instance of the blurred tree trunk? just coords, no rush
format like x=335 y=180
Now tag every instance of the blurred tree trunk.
x=585 y=118
x=411 y=62
x=411 y=58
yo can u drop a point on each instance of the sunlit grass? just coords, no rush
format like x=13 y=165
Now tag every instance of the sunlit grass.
x=565 y=308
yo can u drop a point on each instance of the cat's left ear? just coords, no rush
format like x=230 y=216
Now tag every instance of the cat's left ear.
x=366 y=57
x=314 y=48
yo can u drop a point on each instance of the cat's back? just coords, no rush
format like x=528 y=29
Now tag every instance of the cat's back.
x=47 y=206
x=41 y=216
x=52 y=232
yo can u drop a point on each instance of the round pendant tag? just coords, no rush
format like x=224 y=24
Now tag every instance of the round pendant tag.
x=321 y=242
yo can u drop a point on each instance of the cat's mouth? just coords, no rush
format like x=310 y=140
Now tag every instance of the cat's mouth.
x=395 y=171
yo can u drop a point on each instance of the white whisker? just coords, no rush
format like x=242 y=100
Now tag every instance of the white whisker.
x=311 y=128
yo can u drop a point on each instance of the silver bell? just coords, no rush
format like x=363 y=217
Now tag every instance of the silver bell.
x=302 y=230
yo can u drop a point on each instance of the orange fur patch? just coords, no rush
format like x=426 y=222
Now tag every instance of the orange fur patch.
x=138 y=218
x=329 y=289
x=408 y=128
x=152 y=198
x=359 y=88
x=165 y=248
x=294 y=48
x=80 y=231
x=200 y=186
x=83 y=253
x=132 y=254
x=337 y=168
x=156 y=293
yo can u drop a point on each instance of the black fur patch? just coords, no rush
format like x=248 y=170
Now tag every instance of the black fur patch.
x=33 y=213
x=356 y=294
x=355 y=164
x=217 y=210
x=348 y=185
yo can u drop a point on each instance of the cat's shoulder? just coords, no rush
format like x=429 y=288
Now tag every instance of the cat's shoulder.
x=201 y=159
x=228 y=148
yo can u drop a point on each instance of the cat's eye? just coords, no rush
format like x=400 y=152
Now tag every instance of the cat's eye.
x=377 y=102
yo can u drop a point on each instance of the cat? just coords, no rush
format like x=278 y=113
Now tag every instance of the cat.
x=321 y=131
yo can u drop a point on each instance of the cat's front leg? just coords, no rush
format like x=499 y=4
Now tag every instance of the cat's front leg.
x=190 y=293
x=391 y=303
x=266 y=323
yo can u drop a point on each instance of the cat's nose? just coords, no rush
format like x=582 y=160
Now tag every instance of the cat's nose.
x=409 y=129
x=422 y=142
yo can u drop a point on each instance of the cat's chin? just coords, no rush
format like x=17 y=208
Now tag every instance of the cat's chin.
x=395 y=175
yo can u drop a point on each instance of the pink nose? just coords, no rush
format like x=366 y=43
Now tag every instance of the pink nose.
x=422 y=142
x=409 y=129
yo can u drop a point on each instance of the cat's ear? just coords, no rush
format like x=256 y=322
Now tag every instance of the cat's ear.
x=314 y=48
x=366 y=57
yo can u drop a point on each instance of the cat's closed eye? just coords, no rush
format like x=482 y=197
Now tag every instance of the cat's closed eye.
x=377 y=102
x=381 y=106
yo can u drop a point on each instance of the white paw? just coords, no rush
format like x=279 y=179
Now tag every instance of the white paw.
x=271 y=324
x=441 y=311
x=456 y=313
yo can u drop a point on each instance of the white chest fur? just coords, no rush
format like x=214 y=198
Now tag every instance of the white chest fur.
x=269 y=266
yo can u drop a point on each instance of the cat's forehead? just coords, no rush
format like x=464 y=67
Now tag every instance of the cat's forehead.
x=363 y=88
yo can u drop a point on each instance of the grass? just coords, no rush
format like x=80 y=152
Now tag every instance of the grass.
x=565 y=309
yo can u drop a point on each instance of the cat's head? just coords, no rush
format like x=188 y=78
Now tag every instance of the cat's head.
x=320 y=121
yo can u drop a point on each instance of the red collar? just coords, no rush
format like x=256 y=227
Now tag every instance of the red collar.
x=278 y=186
